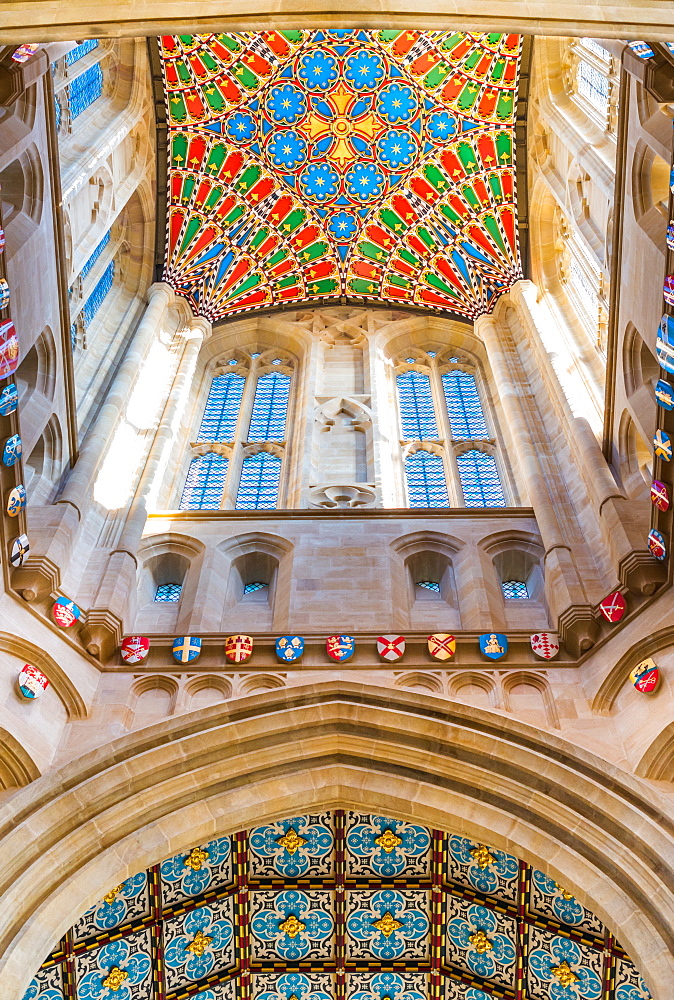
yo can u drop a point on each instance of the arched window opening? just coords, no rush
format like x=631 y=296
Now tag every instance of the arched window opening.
x=464 y=407
x=270 y=407
x=480 y=481
x=515 y=590
x=520 y=573
x=168 y=593
x=426 y=483
x=222 y=408
x=593 y=85
x=84 y=90
x=81 y=50
x=259 y=483
x=417 y=413
x=205 y=482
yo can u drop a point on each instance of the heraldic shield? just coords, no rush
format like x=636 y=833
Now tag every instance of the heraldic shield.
x=659 y=495
x=32 y=682
x=545 y=645
x=238 y=648
x=134 y=648
x=390 y=647
x=340 y=647
x=12 y=451
x=493 y=645
x=9 y=400
x=65 y=612
x=186 y=648
x=19 y=551
x=646 y=676
x=16 y=500
x=656 y=544
x=613 y=607
x=289 y=648
x=441 y=645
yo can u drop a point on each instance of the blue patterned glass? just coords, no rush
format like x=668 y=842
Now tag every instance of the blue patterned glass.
x=250 y=588
x=168 y=593
x=85 y=89
x=480 y=480
x=205 y=482
x=222 y=408
x=514 y=590
x=270 y=406
x=73 y=335
x=464 y=407
x=95 y=255
x=101 y=289
x=259 y=483
x=426 y=484
x=81 y=50
x=57 y=112
x=429 y=585
x=417 y=414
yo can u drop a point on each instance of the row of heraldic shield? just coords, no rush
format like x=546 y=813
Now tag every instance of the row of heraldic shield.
x=289 y=648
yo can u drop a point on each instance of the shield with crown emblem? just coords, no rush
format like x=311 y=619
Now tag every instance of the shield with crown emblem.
x=238 y=648
x=289 y=648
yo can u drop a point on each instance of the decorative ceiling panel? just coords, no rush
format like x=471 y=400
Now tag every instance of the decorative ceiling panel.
x=339 y=906
x=308 y=166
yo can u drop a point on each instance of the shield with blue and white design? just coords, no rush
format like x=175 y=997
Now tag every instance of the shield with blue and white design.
x=186 y=648
x=9 y=399
x=340 y=647
x=664 y=345
x=493 y=645
x=16 y=500
x=664 y=393
x=662 y=444
x=12 y=451
x=289 y=648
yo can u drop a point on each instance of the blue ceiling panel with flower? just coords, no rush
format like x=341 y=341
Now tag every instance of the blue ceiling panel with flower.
x=318 y=165
x=339 y=906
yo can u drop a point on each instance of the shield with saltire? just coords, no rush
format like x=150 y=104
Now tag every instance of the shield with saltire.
x=340 y=647
x=663 y=445
x=9 y=400
x=238 y=648
x=134 y=648
x=289 y=648
x=613 y=607
x=65 y=612
x=441 y=645
x=659 y=495
x=646 y=676
x=390 y=647
x=668 y=290
x=664 y=394
x=12 y=451
x=656 y=544
x=9 y=348
x=16 y=500
x=186 y=648
x=493 y=645
x=545 y=645
x=664 y=344
x=19 y=551
x=32 y=682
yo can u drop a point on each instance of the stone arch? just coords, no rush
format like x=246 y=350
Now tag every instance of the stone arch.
x=331 y=744
x=206 y=690
x=256 y=683
x=37 y=371
x=640 y=366
x=163 y=559
x=255 y=557
x=608 y=690
x=523 y=683
x=518 y=555
x=63 y=685
x=657 y=763
x=428 y=556
x=635 y=457
x=650 y=191
x=22 y=188
x=17 y=767
x=475 y=689
x=154 y=695
x=44 y=462
x=343 y=450
x=419 y=680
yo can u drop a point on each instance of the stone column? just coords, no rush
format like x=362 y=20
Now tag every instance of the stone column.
x=564 y=589
x=115 y=601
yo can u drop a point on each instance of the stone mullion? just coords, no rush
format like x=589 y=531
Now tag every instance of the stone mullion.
x=454 y=490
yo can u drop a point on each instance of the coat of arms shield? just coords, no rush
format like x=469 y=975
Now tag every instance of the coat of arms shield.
x=186 y=648
x=646 y=676
x=16 y=500
x=656 y=544
x=238 y=648
x=340 y=647
x=9 y=400
x=613 y=607
x=65 y=612
x=32 y=682
x=664 y=344
x=659 y=495
x=289 y=648
x=664 y=394
x=390 y=647
x=441 y=645
x=663 y=445
x=19 y=551
x=493 y=645
x=12 y=451
x=9 y=349
x=545 y=645
x=134 y=648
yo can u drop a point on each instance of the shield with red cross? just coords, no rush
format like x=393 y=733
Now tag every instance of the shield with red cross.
x=390 y=647
x=613 y=607
x=238 y=648
x=441 y=645
x=545 y=645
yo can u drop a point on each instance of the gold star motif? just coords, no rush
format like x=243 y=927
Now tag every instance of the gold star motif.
x=292 y=926
x=564 y=974
x=482 y=855
x=115 y=978
x=196 y=858
x=387 y=925
x=199 y=944
x=388 y=840
x=110 y=897
x=565 y=894
x=480 y=942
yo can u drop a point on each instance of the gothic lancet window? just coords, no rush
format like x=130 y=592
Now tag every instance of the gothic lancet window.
x=426 y=483
x=222 y=408
x=480 y=481
x=85 y=89
x=97 y=296
x=259 y=483
x=205 y=482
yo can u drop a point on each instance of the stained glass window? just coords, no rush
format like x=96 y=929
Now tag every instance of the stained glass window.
x=251 y=588
x=222 y=408
x=85 y=89
x=205 y=482
x=429 y=585
x=480 y=480
x=417 y=414
x=259 y=483
x=426 y=484
x=514 y=590
x=268 y=419
x=58 y=113
x=463 y=405
x=95 y=255
x=81 y=50
x=593 y=85
x=101 y=289
x=168 y=593
x=73 y=335
x=595 y=47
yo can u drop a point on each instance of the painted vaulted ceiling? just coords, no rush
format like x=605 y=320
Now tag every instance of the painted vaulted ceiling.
x=315 y=165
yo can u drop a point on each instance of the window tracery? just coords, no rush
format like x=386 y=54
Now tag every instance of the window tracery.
x=259 y=482
x=205 y=482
